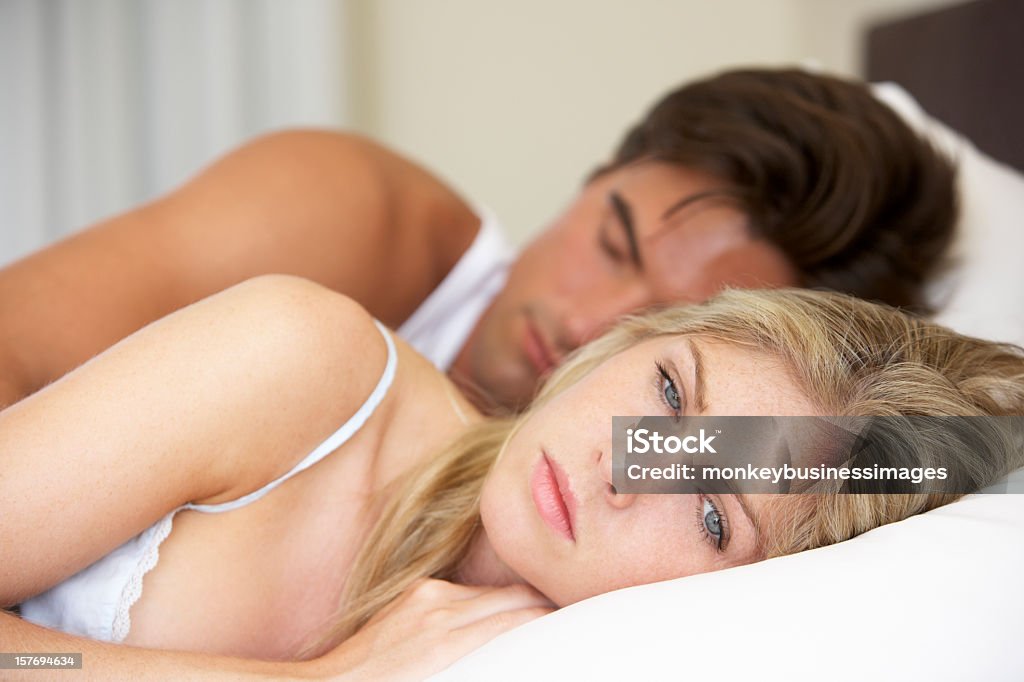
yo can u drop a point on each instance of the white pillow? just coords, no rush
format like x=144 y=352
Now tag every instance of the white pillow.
x=937 y=596
x=982 y=294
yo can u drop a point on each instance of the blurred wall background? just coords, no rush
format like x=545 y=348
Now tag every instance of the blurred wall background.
x=107 y=103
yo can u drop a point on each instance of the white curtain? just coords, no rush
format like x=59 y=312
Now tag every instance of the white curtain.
x=107 y=103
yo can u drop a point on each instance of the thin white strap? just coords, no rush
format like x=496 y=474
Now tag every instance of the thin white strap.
x=451 y=399
x=328 y=446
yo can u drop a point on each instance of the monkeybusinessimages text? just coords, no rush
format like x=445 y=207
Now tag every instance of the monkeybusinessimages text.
x=645 y=441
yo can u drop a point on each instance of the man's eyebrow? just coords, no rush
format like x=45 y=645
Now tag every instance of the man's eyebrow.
x=625 y=216
x=694 y=198
x=699 y=395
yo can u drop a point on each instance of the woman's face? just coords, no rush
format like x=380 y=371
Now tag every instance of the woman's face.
x=549 y=509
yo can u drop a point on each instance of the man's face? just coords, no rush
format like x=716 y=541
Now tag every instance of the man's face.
x=630 y=240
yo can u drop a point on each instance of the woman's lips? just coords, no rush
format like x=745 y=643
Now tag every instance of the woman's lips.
x=553 y=497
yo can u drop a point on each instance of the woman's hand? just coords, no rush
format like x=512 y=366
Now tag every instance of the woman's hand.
x=430 y=626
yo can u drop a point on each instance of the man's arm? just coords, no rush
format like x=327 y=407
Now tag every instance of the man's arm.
x=330 y=207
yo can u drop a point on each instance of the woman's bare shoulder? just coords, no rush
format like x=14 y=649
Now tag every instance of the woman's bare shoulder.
x=202 y=406
x=428 y=412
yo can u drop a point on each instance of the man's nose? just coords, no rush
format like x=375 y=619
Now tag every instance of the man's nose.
x=579 y=326
x=613 y=497
x=585 y=320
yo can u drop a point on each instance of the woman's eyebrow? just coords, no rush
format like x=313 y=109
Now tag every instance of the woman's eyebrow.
x=699 y=395
x=742 y=500
x=748 y=511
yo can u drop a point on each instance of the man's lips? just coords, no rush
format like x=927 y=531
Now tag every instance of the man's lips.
x=553 y=497
x=537 y=349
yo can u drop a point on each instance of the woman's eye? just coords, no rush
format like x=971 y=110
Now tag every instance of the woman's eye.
x=712 y=521
x=670 y=392
x=666 y=386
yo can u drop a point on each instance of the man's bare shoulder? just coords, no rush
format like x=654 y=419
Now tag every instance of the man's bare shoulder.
x=325 y=159
x=332 y=207
x=399 y=216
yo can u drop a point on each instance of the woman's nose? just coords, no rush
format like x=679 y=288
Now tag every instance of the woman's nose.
x=613 y=497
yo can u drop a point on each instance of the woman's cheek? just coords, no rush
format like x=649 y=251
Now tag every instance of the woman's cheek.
x=660 y=545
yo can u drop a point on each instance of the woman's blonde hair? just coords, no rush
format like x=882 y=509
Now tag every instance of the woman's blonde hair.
x=850 y=357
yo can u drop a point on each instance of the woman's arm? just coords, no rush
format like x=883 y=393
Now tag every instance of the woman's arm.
x=429 y=627
x=205 y=405
x=330 y=207
x=101 y=661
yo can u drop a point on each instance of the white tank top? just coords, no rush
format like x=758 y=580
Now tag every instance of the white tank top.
x=441 y=324
x=96 y=601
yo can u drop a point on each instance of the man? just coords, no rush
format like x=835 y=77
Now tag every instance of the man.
x=757 y=178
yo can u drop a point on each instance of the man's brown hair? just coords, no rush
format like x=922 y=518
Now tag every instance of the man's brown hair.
x=857 y=201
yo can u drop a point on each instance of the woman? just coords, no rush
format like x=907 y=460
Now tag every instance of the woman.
x=202 y=423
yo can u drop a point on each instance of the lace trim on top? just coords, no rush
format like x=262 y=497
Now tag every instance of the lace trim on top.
x=133 y=589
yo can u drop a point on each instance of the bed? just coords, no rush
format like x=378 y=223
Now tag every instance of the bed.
x=938 y=596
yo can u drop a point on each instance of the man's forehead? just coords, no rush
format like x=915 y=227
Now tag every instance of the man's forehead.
x=692 y=235
x=698 y=250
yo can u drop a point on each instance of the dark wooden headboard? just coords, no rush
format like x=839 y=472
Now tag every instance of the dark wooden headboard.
x=965 y=65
